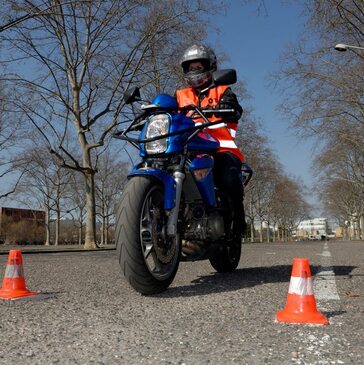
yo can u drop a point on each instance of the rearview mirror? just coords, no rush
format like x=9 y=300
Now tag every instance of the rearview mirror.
x=224 y=77
x=132 y=95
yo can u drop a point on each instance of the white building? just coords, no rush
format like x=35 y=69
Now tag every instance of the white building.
x=316 y=228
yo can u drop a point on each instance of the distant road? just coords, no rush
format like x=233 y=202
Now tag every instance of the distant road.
x=87 y=314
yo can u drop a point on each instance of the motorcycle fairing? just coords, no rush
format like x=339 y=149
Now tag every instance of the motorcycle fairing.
x=203 y=141
x=205 y=184
x=165 y=101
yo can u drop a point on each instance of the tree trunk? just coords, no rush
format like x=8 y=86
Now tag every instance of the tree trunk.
x=268 y=232
x=102 y=230
x=261 y=231
x=80 y=232
x=90 y=232
x=357 y=229
x=274 y=232
x=58 y=224
x=107 y=231
x=47 y=228
x=252 y=231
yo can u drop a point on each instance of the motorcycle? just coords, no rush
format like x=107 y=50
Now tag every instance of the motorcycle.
x=170 y=202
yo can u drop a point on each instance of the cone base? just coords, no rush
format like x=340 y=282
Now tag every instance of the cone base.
x=308 y=318
x=15 y=294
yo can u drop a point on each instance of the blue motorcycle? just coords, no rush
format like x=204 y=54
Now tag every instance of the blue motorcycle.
x=170 y=209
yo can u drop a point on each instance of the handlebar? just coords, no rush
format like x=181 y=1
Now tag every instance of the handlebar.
x=137 y=125
x=121 y=134
x=205 y=111
x=218 y=111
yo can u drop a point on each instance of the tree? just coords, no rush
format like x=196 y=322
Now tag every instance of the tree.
x=324 y=97
x=11 y=166
x=81 y=56
x=340 y=171
x=76 y=192
x=45 y=182
x=271 y=197
x=110 y=181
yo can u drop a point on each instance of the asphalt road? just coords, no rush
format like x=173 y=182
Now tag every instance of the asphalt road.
x=87 y=314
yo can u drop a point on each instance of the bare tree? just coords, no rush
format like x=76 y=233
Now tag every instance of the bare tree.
x=45 y=181
x=10 y=132
x=267 y=170
x=80 y=57
x=76 y=194
x=341 y=175
x=110 y=181
x=324 y=93
x=288 y=207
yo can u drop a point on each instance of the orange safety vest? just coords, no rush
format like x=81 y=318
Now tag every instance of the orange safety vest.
x=223 y=132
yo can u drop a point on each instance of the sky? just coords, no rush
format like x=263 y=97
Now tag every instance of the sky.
x=254 y=43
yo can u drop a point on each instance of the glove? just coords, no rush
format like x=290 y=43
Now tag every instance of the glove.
x=186 y=109
x=229 y=116
x=224 y=105
x=230 y=101
x=208 y=115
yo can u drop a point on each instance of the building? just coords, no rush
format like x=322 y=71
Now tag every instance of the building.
x=21 y=225
x=313 y=229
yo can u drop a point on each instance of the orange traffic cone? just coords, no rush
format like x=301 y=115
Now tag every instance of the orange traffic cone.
x=14 y=281
x=301 y=303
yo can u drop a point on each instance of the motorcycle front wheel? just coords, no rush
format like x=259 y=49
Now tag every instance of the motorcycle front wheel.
x=148 y=257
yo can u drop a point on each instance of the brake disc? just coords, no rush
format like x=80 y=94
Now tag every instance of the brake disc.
x=164 y=252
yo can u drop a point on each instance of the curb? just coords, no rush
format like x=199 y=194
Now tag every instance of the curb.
x=52 y=249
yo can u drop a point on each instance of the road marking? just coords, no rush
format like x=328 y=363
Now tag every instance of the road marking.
x=324 y=282
x=312 y=344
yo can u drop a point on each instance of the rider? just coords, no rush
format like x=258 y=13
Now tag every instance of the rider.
x=198 y=63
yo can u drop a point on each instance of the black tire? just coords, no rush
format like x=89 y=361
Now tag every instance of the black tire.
x=141 y=237
x=227 y=259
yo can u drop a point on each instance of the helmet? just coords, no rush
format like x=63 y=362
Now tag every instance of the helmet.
x=198 y=78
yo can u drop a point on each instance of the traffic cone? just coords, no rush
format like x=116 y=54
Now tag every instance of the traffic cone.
x=301 y=303
x=14 y=281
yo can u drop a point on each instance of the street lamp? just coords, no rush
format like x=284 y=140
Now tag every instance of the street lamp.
x=341 y=47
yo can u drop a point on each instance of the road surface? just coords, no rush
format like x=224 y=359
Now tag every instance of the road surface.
x=87 y=314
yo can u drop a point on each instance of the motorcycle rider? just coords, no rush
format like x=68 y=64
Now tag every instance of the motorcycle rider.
x=198 y=63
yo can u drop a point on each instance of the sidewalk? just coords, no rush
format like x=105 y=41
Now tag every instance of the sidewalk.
x=29 y=249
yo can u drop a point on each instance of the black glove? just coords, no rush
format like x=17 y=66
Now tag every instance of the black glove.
x=230 y=101
x=187 y=108
x=208 y=115
x=224 y=105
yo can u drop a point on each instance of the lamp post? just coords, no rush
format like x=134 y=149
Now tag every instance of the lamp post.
x=341 y=47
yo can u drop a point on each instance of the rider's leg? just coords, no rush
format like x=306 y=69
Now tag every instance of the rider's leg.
x=227 y=178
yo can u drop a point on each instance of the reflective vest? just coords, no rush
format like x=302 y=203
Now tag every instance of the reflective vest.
x=224 y=132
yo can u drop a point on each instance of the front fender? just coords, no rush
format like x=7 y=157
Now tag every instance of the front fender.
x=166 y=179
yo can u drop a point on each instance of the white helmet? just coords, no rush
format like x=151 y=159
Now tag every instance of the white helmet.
x=198 y=78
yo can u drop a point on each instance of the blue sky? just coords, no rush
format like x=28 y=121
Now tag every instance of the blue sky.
x=254 y=44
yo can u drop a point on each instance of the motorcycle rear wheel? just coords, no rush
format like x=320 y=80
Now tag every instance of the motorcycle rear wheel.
x=148 y=257
x=227 y=259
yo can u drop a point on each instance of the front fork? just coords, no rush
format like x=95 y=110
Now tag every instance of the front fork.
x=173 y=190
x=178 y=177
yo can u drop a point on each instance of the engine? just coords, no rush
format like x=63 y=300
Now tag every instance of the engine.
x=202 y=225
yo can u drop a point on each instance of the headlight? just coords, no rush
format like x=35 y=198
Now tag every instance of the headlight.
x=158 y=125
